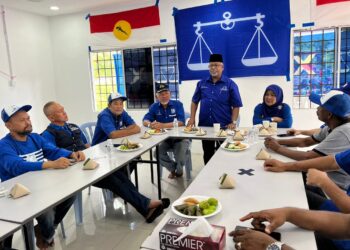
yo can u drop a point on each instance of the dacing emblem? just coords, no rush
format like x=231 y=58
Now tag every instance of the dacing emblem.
x=122 y=30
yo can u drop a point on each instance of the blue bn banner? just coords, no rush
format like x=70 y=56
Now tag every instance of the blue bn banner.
x=252 y=35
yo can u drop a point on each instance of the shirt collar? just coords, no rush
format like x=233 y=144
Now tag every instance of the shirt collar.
x=222 y=79
x=116 y=116
x=170 y=103
x=57 y=127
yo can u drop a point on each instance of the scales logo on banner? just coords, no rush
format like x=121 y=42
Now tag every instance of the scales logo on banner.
x=253 y=36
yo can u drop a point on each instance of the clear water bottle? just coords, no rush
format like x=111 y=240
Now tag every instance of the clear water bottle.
x=109 y=146
x=256 y=134
x=175 y=125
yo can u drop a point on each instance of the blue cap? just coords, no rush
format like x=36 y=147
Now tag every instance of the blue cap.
x=9 y=111
x=115 y=96
x=335 y=101
x=345 y=88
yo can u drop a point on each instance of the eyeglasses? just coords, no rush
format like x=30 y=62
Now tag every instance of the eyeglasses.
x=214 y=65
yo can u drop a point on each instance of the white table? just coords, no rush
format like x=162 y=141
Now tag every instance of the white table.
x=8 y=228
x=50 y=187
x=252 y=193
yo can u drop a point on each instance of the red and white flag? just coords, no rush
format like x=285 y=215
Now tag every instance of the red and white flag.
x=326 y=13
x=127 y=28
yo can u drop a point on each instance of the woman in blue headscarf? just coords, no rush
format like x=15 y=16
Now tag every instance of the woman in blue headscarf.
x=273 y=109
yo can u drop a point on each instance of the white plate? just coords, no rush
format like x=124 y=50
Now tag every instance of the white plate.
x=190 y=132
x=129 y=150
x=199 y=198
x=266 y=135
x=161 y=133
x=234 y=150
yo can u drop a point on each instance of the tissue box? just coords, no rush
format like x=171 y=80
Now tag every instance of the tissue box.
x=172 y=230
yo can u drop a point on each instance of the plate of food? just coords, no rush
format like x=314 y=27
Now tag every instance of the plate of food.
x=128 y=146
x=190 y=130
x=195 y=206
x=234 y=146
x=156 y=131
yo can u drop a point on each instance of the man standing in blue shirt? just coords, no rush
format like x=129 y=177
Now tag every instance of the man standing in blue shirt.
x=114 y=121
x=220 y=102
x=161 y=115
x=23 y=151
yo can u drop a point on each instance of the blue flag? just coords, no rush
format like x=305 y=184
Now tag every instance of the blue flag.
x=252 y=35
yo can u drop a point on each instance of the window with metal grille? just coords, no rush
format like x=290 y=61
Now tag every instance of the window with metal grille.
x=166 y=69
x=138 y=77
x=107 y=76
x=314 y=64
x=344 y=72
x=130 y=73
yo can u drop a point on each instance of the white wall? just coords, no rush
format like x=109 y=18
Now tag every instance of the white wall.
x=50 y=61
x=70 y=48
x=31 y=51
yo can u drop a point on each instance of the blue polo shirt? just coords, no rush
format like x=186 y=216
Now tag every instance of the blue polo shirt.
x=157 y=112
x=217 y=101
x=51 y=138
x=343 y=161
x=107 y=122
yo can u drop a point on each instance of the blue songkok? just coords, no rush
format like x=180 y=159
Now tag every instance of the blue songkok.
x=276 y=109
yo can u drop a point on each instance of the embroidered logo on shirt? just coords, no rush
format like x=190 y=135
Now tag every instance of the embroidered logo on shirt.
x=279 y=107
x=173 y=111
x=224 y=88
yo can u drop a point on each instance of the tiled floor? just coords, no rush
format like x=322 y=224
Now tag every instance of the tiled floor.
x=110 y=227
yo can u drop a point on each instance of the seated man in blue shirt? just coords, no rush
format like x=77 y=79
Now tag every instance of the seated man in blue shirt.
x=69 y=136
x=23 y=151
x=338 y=200
x=161 y=115
x=220 y=102
x=114 y=121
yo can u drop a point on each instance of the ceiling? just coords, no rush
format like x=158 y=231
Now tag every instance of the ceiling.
x=42 y=7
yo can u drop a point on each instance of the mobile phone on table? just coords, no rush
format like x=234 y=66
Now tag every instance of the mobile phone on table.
x=72 y=161
x=284 y=135
x=275 y=235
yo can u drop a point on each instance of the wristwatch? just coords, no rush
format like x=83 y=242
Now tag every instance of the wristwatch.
x=234 y=122
x=275 y=246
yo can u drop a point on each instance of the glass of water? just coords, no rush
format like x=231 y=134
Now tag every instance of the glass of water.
x=109 y=146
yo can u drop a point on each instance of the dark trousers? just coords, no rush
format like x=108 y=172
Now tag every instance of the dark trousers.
x=315 y=199
x=6 y=244
x=209 y=148
x=324 y=243
x=48 y=221
x=119 y=184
